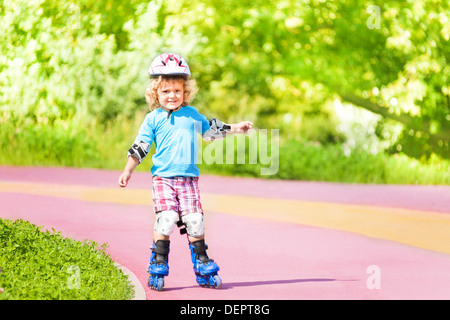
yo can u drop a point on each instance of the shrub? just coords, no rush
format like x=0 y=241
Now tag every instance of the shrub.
x=43 y=265
x=302 y=160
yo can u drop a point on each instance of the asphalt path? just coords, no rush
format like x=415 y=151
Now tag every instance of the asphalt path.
x=273 y=240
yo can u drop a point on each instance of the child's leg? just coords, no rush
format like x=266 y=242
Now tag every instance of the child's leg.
x=158 y=266
x=205 y=268
x=164 y=224
x=166 y=209
x=192 y=217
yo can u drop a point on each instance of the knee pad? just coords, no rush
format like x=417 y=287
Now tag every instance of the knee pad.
x=194 y=224
x=165 y=222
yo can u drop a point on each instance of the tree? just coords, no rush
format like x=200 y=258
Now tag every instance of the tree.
x=278 y=63
x=265 y=52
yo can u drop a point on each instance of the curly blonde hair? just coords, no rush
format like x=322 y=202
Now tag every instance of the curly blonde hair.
x=151 y=93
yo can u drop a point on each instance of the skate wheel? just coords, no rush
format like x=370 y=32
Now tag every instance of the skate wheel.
x=156 y=283
x=209 y=281
x=202 y=282
x=159 y=284
x=217 y=282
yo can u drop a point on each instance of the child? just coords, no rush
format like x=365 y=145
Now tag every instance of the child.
x=173 y=126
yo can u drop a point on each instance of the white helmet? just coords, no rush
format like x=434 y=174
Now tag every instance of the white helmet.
x=169 y=64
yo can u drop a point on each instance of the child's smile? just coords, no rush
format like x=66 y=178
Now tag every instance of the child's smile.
x=170 y=95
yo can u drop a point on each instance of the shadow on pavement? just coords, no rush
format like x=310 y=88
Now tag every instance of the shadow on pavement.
x=231 y=285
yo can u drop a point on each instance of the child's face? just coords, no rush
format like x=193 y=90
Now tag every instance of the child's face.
x=170 y=94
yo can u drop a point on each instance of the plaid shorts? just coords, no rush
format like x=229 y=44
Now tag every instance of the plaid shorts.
x=180 y=194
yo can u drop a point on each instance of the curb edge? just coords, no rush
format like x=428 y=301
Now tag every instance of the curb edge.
x=139 y=291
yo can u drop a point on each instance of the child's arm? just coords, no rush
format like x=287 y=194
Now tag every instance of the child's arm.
x=132 y=163
x=241 y=127
x=219 y=129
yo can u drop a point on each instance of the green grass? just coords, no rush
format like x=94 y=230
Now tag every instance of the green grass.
x=58 y=143
x=92 y=146
x=300 y=160
x=44 y=265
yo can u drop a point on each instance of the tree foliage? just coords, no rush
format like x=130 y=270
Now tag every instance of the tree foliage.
x=284 y=64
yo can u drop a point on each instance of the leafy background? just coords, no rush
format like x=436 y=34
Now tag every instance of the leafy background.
x=356 y=85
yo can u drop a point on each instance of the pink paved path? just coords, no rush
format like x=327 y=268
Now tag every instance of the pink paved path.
x=260 y=258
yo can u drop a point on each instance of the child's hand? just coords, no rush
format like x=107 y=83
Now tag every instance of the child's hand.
x=124 y=178
x=132 y=163
x=243 y=127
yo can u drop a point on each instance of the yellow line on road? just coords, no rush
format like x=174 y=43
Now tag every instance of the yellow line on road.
x=423 y=229
x=113 y=195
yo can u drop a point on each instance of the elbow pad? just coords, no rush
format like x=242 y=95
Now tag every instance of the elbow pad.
x=218 y=130
x=139 y=150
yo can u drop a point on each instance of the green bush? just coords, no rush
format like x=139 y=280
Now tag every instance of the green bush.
x=43 y=265
x=73 y=77
x=105 y=147
x=55 y=142
x=302 y=160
